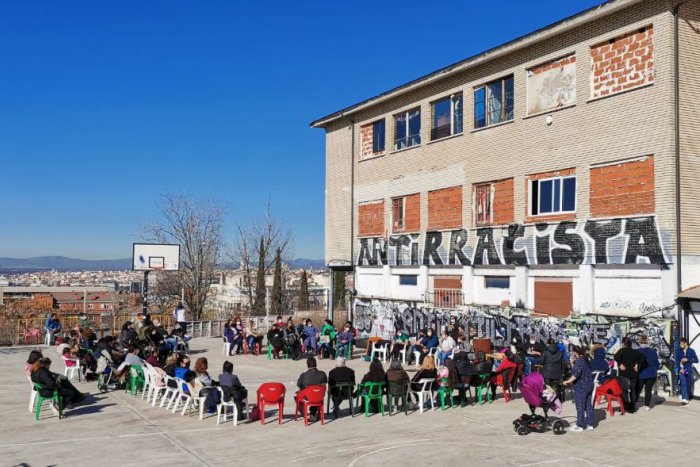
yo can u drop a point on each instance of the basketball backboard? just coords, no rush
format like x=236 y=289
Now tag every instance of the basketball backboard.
x=155 y=256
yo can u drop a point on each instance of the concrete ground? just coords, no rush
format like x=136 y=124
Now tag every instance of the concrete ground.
x=118 y=429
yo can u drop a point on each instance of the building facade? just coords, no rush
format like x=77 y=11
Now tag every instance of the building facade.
x=556 y=174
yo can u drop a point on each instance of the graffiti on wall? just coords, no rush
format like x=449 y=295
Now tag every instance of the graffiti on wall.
x=613 y=241
x=383 y=317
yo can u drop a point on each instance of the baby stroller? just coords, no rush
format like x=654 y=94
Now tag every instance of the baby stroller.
x=535 y=394
x=106 y=370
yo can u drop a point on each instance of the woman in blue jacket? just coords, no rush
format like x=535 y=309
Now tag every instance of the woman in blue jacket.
x=647 y=376
x=684 y=367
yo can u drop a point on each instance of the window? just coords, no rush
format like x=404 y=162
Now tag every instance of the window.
x=552 y=195
x=447 y=117
x=378 y=128
x=493 y=103
x=398 y=209
x=407 y=129
x=497 y=282
x=406 y=279
x=483 y=209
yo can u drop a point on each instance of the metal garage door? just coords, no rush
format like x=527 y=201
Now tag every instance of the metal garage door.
x=554 y=298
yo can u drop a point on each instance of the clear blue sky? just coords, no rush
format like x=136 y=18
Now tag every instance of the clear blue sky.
x=106 y=104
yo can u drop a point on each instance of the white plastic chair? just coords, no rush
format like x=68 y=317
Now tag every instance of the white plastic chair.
x=227 y=346
x=32 y=396
x=402 y=353
x=47 y=337
x=423 y=392
x=148 y=381
x=596 y=380
x=154 y=388
x=181 y=396
x=72 y=369
x=223 y=406
x=380 y=351
x=170 y=393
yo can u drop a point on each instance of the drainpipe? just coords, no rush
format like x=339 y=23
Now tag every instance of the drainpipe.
x=677 y=141
x=352 y=215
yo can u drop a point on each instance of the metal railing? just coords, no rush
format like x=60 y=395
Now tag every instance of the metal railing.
x=445 y=298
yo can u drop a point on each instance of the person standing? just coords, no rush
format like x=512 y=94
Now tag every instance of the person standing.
x=180 y=318
x=647 y=377
x=630 y=362
x=582 y=381
x=685 y=358
x=553 y=366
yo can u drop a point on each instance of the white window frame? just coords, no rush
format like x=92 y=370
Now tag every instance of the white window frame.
x=561 y=196
x=408 y=137
x=492 y=190
x=394 y=228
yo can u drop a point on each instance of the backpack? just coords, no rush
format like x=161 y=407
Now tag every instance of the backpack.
x=254 y=414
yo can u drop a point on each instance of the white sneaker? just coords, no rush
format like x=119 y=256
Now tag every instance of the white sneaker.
x=590 y=428
x=684 y=401
x=647 y=408
x=576 y=428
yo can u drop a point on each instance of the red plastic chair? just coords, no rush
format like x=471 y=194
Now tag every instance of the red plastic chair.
x=246 y=349
x=505 y=384
x=33 y=334
x=611 y=390
x=311 y=396
x=271 y=394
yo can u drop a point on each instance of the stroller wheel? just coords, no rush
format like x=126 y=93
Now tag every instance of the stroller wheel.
x=523 y=430
x=558 y=427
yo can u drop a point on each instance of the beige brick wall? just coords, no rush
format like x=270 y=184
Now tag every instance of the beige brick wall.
x=627 y=125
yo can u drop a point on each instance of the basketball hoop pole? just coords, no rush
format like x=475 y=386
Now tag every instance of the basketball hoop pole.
x=144 y=291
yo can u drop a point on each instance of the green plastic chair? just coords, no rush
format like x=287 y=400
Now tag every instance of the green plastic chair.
x=54 y=398
x=137 y=379
x=285 y=351
x=482 y=387
x=398 y=391
x=444 y=392
x=374 y=391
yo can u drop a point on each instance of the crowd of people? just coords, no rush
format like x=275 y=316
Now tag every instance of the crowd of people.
x=449 y=359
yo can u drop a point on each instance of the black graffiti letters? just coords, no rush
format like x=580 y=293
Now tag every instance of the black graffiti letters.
x=614 y=241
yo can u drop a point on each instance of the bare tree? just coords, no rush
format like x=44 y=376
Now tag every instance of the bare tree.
x=275 y=236
x=165 y=295
x=197 y=226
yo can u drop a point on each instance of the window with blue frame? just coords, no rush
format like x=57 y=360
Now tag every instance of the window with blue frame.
x=378 y=136
x=553 y=195
x=494 y=103
x=408 y=279
x=407 y=129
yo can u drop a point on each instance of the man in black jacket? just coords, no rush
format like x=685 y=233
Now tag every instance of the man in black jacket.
x=311 y=377
x=630 y=362
x=553 y=366
x=339 y=374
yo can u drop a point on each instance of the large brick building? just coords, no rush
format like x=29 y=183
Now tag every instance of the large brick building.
x=559 y=172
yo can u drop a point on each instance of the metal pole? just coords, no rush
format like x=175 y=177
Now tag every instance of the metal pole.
x=330 y=295
x=144 y=291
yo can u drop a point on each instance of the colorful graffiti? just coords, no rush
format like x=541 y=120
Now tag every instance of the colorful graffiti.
x=383 y=317
x=613 y=241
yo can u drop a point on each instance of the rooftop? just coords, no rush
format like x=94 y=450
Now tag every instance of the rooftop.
x=118 y=429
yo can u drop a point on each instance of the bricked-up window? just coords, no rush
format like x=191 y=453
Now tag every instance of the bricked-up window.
x=483 y=209
x=623 y=188
x=445 y=209
x=407 y=129
x=398 y=206
x=623 y=63
x=447 y=117
x=371 y=219
x=378 y=129
x=553 y=195
x=494 y=102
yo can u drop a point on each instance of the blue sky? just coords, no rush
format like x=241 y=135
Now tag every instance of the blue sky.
x=106 y=105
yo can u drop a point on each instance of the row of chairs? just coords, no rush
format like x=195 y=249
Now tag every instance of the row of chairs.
x=229 y=345
x=381 y=352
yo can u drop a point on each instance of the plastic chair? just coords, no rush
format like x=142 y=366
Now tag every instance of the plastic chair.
x=170 y=392
x=271 y=394
x=483 y=386
x=31 y=333
x=446 y=391
x=223 y=407
x=345 y=391
x=183 y=395
x=73 y=365
x=47 y=337
x=596 y=379
x=246 y=349
x=612 y=391
x=284 y=351
x=379 y=350
x=402 y=353
x=55 y=398
x=422 y=393
x=431 y=353
x=375 y=391
x=32 y=396
x=397 y=391
x=227 y=347
x=310 y=396
x=504 y=381
x=137 y=380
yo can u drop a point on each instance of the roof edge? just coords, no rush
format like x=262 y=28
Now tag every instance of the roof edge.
x=603 y=9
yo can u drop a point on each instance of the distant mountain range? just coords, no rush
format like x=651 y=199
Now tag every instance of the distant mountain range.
x=63 y=263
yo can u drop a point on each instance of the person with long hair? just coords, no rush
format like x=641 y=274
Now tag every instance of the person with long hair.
x=51 y=382
x=34 y=356
x=253 y=336
x=374 y=375
x=582 y=381
x=505 y=371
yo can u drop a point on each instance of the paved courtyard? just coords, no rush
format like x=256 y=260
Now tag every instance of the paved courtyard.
x=118 y=429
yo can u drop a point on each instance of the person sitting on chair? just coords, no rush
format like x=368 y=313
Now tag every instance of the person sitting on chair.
x=132 y=358
x=52 y=326
x=311 y=333
x=291 y=339
x=505 y=370
x=326 y=338
x=398 y=379
x=344 y=344
x=233 y=388
x=339 y=374
x=275 y=338
x=398 y=343
x=374 y=375
x=311 y=377
x=51 y=381
x=447 y=346
x=253 y=336
x=466 y=370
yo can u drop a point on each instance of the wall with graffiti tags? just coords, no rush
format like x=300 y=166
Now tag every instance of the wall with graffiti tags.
x=634 y=240
x=500 y=324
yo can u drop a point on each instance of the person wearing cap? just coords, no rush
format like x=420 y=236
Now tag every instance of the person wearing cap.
x=339 y=374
